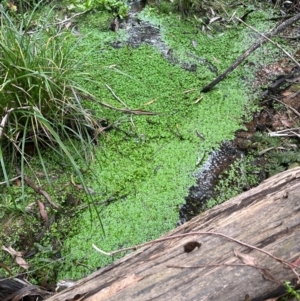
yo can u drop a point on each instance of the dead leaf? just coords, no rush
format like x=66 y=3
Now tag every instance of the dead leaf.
x=44 y=282
x=43 y=212
x=32 y=291
x=287 y=123
x=198 y=99
x=68 y=25
x=19 y=260
x=296 y=262
x=11 y=6
x=268 y=276
x=22 y=263
x=287 y=93
x=40 y=174
x=12 y=252
x=30 y=206
x=246 y=259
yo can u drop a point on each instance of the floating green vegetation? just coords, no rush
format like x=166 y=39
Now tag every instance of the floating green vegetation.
x=144 y=163
x=147 y=161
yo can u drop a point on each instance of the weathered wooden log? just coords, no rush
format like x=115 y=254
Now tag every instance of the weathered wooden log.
x=266 y=217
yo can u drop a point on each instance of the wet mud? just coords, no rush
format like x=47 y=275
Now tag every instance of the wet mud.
x=207 y=178
x=140 y=32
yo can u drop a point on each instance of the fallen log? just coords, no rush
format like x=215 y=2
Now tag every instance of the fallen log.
x=243 y=247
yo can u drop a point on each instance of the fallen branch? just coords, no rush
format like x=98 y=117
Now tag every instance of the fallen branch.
x=252 y=48
x=271 y=41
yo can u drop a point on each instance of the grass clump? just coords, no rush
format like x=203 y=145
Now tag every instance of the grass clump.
x=40 y=100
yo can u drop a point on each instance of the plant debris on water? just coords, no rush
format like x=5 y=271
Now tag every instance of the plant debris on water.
x=105 y=135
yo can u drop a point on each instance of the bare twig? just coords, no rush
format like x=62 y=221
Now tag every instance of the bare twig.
x=253 y=47
x=266 y=275
x=214 y=265
x=128 y=111
x=286 y=105
x=115 y=96
x=10 y=180
x=285 y=133
x=274 y=43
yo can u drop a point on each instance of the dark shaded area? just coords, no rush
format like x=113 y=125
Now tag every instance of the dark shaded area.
x=17 y=289
x=207 y=179
x=279 y=292
x=140 y=32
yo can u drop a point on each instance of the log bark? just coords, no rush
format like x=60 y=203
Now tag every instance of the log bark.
x=266 y=217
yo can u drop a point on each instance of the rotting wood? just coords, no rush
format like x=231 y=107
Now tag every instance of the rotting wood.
x=252 y=48
x=267 y=217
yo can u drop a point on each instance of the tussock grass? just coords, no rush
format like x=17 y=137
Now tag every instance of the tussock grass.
x=40 y=100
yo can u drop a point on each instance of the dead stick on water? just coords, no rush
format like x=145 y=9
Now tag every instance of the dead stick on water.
x=271 y=41
x=254 y=46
